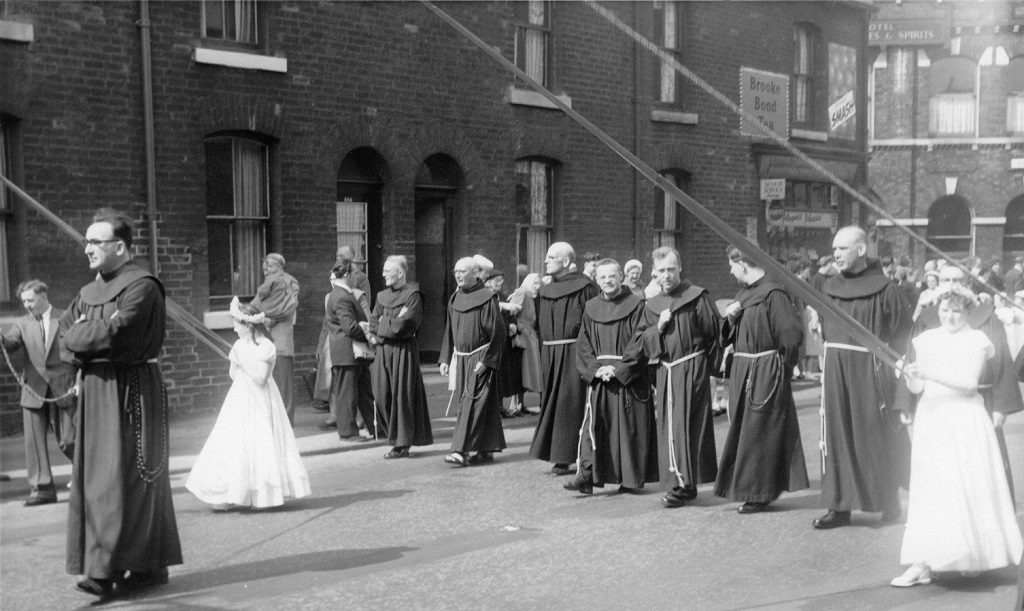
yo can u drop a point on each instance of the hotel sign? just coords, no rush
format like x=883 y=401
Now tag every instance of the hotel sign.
x=908 y=32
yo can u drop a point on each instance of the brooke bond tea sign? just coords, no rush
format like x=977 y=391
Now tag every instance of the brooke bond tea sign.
x=765 y=95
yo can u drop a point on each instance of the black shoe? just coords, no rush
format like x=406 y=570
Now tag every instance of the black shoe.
x=39 y=500
x=96 y=586
x=327 y=426
x=354 y=438
x=480 y=458
x=397 y=453
x=832 y=519
x=138 y=580
x=560 y=469
x=627 y=490
x=671 y=500
x=752 y=507
x=582 y=486
x=686 y=493
x=321 y=407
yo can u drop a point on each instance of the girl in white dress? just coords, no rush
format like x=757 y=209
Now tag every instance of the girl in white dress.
x=250 y=458
x=960 y=516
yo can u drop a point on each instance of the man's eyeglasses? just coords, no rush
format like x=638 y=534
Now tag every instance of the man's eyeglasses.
x=99 y=242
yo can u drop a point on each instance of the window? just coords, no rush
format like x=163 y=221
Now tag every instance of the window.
x=805 y=41
x=1013 y=233
x=1015 y=95
x=669 y=220
x=231 y=20
x=237 y=214
x=951 y=109
x=949 y=225
x=6 y=210
x=666 y=34
x=533 y=33
x=535 y=196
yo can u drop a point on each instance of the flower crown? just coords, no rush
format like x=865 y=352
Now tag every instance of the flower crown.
x=240 y=316
x=962 y=291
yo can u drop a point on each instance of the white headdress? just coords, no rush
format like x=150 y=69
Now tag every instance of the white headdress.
x=240 y=316
x=957 y=289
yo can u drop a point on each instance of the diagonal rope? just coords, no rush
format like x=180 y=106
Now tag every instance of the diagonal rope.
x=785 y=143
x=177 y=313
x=824 y=306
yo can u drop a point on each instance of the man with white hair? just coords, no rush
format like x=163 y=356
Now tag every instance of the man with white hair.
x=395 y=374
x=474 y=337
x=560 y=306
x=862 y=445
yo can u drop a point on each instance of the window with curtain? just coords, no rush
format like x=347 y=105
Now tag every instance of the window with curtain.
x=237 y=214
x=6 y=210
x=951 y=108
x=533 y=34
x=231 y=20
x=669 y=220
x=535 y=203
x=949 y=225
x=1014 y=72
x=667 y=36
x=805 y=41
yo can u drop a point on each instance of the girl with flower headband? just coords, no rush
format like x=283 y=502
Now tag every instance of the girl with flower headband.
x=960 y=515
x=250 y=458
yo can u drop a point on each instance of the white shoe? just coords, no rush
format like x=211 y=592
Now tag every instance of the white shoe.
x=915 y=575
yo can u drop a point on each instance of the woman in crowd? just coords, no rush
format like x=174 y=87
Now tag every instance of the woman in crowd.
x=525 y=342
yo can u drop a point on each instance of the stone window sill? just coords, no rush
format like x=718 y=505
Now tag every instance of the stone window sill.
x=807 y=134
x=239 y=59
x=673 y=116
x=528 y=97
x=15 y=31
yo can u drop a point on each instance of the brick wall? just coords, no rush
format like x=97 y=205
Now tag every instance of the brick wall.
x=391 y=77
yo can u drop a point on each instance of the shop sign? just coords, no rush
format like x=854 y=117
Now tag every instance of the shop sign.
x=841 y=111
x=776 y=216
x=773 y=188
x=765 y=95
x=908 y=32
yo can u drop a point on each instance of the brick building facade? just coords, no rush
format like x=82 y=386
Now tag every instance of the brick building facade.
x=296 y=126
x=947 y=137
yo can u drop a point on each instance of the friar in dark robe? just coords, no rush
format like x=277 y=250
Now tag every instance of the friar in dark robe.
x=681 y=329
x=395 y=373
x=618 y=444
x=998 y=385
x=121 y=525
x=763 y=455
x=474 y=338
x=864 y=448
x=559 y=315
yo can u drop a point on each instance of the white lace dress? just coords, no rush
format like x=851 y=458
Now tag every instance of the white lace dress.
x=960 y=516
x=250 y=458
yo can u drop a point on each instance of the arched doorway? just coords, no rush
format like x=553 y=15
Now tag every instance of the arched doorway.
x=361 y=180
x=1013 y=233
x=438 y=181
x=949 y=226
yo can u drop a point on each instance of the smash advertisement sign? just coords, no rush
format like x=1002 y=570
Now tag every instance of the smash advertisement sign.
x=841 y=111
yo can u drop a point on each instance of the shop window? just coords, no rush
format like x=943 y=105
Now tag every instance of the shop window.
x=237 y=214
x=535 y=207
x=667 y=35
x=533 y=40
x=669 y=217
x=951 y=108
x=949 y=225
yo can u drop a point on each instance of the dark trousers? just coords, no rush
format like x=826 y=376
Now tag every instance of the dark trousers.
x=284 y=372
x=350 y=392
x=37 y=420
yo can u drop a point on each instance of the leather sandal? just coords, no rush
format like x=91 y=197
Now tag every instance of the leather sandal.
x=457 y=459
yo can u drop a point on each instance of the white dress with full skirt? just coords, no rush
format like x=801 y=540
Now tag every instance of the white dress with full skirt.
x=250 y=458
x=960 y=516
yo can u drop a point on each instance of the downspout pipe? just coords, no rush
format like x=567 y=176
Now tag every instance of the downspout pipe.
x=147 y=104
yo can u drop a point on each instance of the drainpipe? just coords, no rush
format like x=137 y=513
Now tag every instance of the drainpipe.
x=147 y=102
x=636 y=131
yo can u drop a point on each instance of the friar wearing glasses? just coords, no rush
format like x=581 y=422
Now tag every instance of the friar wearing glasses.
x=122 y=534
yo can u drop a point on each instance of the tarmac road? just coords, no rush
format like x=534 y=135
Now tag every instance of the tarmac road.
x=417 y=534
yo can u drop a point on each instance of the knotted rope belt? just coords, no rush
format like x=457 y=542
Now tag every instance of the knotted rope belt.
x=588 y=416
x=673 y=462
x=453 y=370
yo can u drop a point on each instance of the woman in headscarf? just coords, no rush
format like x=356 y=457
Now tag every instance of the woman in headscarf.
x=525 y=340
x=632 y=270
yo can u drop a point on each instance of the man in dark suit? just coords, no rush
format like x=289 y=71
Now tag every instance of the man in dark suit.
x=1013 y=281
x=44 y=376
x=347 y=324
